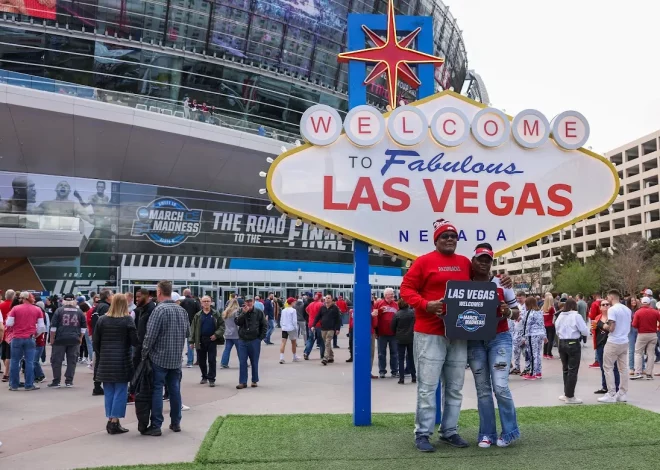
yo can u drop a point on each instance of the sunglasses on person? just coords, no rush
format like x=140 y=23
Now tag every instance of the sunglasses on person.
x=604 y=304
x=449 y=236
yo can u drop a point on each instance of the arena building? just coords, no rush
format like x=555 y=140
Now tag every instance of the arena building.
x=133 y=134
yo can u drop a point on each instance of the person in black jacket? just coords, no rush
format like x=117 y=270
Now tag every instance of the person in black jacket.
x=403 y=326
x=252 y=327
x=145 y=305
x=114 y=335
x=100 y=310
x=330 y=319
x=191 y=306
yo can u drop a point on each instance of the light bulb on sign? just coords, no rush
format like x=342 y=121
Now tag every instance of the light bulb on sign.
x=408 y=263
x=262 y=174
x=269 y=160
x=526 y=248
x=262 y=191
x=270 y=207
x=513 y=253
x=298 y=222
x=298 y=143
x=283 y=149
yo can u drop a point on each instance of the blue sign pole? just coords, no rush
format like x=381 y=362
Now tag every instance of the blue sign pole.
x=357 y=95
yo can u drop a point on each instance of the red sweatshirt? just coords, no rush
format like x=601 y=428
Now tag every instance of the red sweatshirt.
x=426 y=281
x=313 y=310
x=374 y=322
x=646 y=320
x=342 y=306
x=386 y=311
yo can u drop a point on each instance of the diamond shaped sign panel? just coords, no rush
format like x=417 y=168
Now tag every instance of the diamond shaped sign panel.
x=445 y=157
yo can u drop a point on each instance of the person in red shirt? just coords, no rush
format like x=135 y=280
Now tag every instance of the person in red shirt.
x=342 y=305
x=385 y=309
x=27 y=321
x=313 y=310
x=549 y=323
x=5 y=308
x=423 y=288
x=594 y=311
x=489 y=361
x=646 y=321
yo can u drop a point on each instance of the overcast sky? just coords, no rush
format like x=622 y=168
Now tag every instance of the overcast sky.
x=598 y=57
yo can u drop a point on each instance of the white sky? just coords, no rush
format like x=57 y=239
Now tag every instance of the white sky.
x=598 y=57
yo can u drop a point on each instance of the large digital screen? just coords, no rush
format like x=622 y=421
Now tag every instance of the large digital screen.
x=36 y=8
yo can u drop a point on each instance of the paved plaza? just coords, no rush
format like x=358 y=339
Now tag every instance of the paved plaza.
x=65 y=428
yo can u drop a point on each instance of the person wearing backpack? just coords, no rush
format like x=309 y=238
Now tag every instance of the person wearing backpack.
x=403 y=325
x=252 y=328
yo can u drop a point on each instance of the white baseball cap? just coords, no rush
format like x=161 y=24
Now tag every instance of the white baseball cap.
x=175 y=296
x=648 y=292
x=646 y=301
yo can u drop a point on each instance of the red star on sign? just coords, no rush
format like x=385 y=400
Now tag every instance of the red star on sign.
x=391 y=56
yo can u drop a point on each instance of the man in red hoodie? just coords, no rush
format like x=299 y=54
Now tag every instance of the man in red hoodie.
x=423 y=288
x=386 y=308
x=313 y=310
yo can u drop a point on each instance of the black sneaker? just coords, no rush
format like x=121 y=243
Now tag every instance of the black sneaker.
x=306 y=357
x=395 y=374
x=175 y=427
x=414 y=380
x=53 y=385
x=455 y=441
x=203 y=382
x=97 y=392
x=330 y=361
x=39 y=379
x=211 y=384
x=350 y=359
x=602 y=391
x=152 y=431
x=324 y=362
x=68 y=384
x=423 y=445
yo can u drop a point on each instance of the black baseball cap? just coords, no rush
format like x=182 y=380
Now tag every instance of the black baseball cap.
x=69 y=297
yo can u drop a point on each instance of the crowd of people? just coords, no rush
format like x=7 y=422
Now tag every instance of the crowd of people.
x=136 y=343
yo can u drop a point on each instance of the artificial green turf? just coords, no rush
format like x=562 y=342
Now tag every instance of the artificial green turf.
x=601 y=437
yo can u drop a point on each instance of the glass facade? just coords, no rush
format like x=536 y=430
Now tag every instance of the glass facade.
x=295 y=39
x=138 y=225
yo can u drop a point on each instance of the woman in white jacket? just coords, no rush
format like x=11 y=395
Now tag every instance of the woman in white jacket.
x=289 y=324
x=570 y=326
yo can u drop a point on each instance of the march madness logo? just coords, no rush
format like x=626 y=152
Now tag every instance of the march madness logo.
x=471 y=320
x=167 y=222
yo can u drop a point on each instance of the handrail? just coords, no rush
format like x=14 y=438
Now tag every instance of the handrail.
x=214 y=116
x=40 y=222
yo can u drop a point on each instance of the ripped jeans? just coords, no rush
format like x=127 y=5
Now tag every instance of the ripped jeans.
x=489 y=362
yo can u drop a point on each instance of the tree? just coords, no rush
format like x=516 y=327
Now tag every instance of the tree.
x=566 y=257
x=576 y=277
x=599 y=264
x=631 y=268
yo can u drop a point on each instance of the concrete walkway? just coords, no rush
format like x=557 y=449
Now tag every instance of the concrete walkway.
x=65 y=428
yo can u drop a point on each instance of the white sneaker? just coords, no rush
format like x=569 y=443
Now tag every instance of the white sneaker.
x=562 y=397
x=621 y=397
x=281 y=361
x=188 y=366
x=296 y=359
x=573 y=401
x=502 y=443
x=184 y=407
x=636 y=376
x=607 y=399
x=485 y=443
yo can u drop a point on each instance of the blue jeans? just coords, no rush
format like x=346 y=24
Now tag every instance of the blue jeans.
x=90 y=349
x=599 y=358
x=22 y=348
x=191 y=354
x=319 y=341
x=115 y=394
x=171 y=377
x=229 y=344
x=632 y=339
x=38 y=371
x=250 y=349
x=271 y=327
x=383 y=343
x=437 y=357
x=489 y=362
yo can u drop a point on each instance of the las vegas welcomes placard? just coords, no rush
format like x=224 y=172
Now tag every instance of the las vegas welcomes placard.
x=384 y=179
